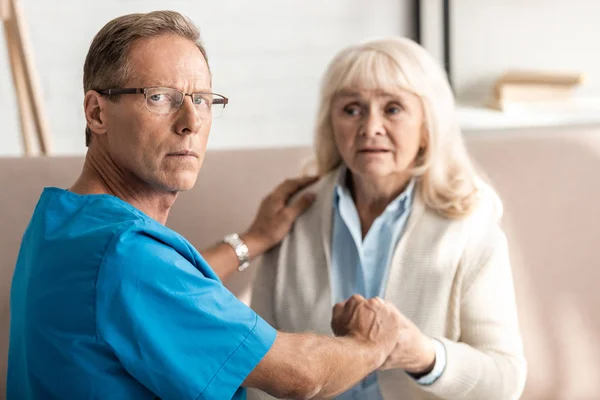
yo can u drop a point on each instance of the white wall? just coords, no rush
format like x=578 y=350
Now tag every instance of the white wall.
x=266 y=55
x=491 y=35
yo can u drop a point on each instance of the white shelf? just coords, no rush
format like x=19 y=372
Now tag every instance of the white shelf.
x=583 y=111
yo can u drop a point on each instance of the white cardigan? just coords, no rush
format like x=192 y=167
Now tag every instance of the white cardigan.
x=452 y=278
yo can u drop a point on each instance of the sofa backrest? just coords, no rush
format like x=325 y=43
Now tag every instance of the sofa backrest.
x=549 y=186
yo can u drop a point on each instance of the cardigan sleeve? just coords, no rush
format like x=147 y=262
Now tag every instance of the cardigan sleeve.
x=263 y=302
x=487 y=362
x=263 y=289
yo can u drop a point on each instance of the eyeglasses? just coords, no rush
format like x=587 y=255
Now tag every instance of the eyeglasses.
x=162 y=100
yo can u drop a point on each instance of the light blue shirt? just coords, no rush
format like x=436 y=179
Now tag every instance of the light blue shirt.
x=361 y=266
x=106 y=303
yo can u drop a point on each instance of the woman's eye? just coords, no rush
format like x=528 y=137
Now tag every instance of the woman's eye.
x=393 y=109
x=352 y=110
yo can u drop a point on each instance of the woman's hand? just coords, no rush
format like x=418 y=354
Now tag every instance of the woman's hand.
x=414 y=351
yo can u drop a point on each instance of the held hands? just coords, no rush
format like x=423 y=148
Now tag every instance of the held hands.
x=381 y=323
x=275 y=216
x=414 y=352
x=373 y=321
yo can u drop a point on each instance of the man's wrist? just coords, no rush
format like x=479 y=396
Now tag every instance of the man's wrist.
x=257 y=245
x=374 y=354
x=240 y=248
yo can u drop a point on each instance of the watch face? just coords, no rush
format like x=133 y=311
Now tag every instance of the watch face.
x=244 y=266
x=241 y=250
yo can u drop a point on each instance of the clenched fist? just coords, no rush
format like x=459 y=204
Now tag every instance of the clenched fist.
x=379 y=322
x=373 y=321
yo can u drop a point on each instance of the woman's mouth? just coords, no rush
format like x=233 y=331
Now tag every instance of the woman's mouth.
x=374 y=150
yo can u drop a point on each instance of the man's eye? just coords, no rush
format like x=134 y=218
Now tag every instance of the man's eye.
x=158 y=97
x=199 y=101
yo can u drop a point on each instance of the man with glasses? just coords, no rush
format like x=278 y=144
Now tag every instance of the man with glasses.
x=160 y=100
x=107 y=302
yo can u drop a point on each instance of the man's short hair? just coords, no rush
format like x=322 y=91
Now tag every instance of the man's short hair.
x=107 y=62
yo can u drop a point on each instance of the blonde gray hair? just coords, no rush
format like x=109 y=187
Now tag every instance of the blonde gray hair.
x=448 y=181
x=107 y=64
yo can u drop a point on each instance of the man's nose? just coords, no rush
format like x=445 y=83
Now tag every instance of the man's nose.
x=189 y=121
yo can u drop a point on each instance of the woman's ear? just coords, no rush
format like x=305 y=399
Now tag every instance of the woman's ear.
x=424 y=137
x=94 y=107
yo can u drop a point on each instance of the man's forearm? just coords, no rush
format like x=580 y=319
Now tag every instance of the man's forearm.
x=272 y=222
x=342 y=363
x=309 y=366
x=222 y=258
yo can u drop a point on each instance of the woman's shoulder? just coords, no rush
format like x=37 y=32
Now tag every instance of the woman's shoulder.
x=488 y=210
x=322 y=188
x=489 y=206
x=311 y=218
x=479 y=230
x=325 y=183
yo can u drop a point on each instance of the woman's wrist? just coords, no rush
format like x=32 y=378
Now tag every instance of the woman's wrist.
x=425 y=361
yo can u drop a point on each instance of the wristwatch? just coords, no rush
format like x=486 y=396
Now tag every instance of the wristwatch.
x=240 y=248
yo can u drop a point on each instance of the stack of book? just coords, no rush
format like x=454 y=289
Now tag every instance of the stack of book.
x=534 y=89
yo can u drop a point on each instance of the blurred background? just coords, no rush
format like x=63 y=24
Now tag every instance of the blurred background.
x=268 y=56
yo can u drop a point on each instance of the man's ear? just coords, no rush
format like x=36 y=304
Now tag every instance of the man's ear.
x=94 y=106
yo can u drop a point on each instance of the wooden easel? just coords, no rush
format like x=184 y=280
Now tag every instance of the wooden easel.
x=29 y=96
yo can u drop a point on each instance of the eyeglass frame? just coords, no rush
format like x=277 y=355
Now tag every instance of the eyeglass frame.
x=118 y=91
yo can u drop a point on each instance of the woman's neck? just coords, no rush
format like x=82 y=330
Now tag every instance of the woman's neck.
x=372 y=195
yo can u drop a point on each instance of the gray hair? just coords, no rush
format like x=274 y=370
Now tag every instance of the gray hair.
x=448 y=180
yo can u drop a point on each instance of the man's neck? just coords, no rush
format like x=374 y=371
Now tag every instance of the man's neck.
x=101 y=175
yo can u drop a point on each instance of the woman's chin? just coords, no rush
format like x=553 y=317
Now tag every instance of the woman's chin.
x=374 y=170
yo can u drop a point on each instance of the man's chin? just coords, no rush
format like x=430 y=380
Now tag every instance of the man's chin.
x=181 y=183
x=184 y=186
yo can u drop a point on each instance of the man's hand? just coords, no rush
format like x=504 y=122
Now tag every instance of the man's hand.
x=272 y=222
x=373 y=321
x=275 y=216
x=307 y=366
x=380 y=322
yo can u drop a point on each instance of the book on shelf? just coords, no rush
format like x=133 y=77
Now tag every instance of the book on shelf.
x=541 y=77
x=529 y=94
x=539 y=89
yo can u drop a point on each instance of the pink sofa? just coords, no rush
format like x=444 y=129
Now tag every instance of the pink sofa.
x=548 y=181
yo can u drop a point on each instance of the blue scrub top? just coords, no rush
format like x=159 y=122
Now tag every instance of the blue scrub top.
x=108 y=303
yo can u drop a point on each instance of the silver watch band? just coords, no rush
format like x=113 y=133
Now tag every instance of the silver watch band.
x=240 y=248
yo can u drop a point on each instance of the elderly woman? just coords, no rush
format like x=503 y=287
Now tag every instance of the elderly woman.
x=401 y=214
